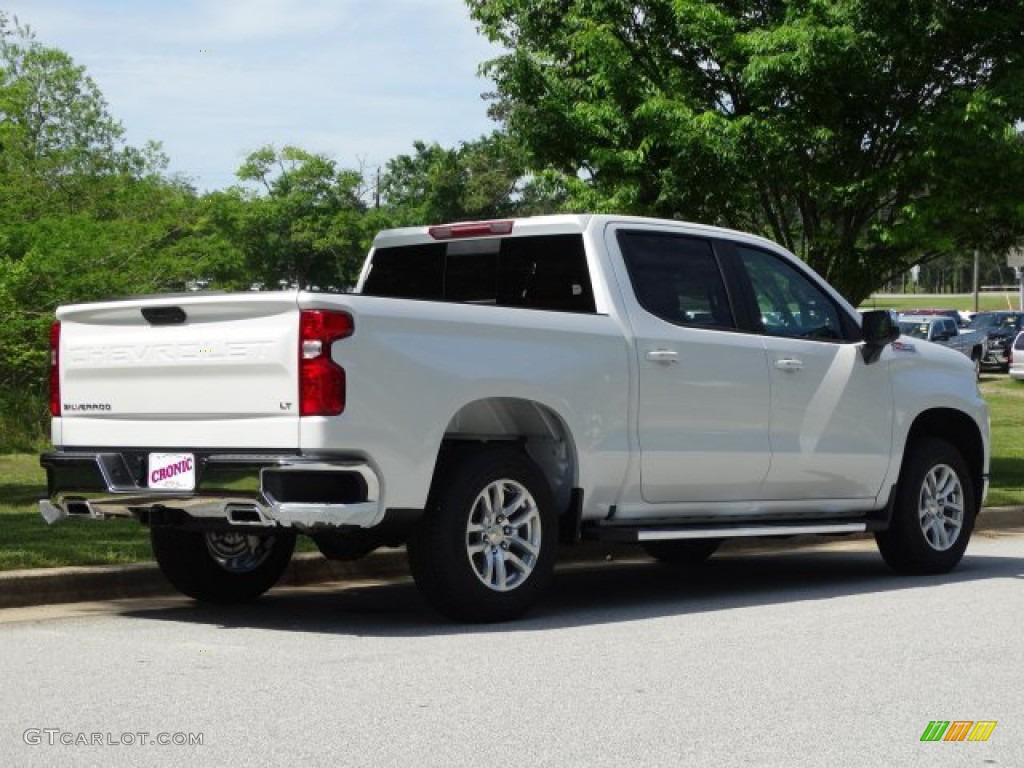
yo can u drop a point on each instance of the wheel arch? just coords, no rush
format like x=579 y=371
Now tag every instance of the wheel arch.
x=959 y=429
x=541 y=431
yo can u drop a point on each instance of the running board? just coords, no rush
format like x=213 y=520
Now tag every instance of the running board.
x=663 y=533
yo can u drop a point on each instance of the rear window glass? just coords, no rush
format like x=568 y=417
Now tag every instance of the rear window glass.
x=411 y=271
x=548 y=272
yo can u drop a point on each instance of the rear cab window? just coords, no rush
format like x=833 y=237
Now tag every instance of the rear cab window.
x=541 y=272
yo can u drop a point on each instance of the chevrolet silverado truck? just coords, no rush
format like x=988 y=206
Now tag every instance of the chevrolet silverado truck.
x=945 y=331
x=491 y=390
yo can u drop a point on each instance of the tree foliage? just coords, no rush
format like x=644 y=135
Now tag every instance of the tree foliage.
x=83 y=215
x=304 y=224
x=483 y=179
x=60 y=149
x=865 y=135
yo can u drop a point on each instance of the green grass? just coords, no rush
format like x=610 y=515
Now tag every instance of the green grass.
x=24 y=422
x=959 y=301
x=28 y=542
x=1005 y=398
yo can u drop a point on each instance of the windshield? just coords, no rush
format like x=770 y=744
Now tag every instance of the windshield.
x=985 y=321
x=917 y=330
x=994 y=322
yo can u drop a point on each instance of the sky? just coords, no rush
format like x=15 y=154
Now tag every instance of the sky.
x=213 y=80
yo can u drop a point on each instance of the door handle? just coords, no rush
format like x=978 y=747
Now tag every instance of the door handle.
x=789 y=364
x=663 y=356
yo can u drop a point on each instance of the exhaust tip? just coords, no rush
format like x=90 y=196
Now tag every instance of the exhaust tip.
x=51 y=512
x=82 y=508
x=78 y=508
x=245 y=514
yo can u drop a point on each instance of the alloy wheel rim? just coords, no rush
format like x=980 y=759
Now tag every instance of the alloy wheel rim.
x=238 y=552
x=503 y=535
x=941 y=507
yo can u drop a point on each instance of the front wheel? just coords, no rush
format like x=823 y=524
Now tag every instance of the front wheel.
x=222 y=566
x=485 y=548
x=934 y=512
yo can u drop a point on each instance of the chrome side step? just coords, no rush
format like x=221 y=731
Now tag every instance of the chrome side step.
x=670 y=532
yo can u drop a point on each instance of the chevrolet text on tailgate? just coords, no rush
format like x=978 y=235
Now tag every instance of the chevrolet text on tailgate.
x=493 y=389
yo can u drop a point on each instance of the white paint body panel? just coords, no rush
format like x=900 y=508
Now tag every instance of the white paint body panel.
x=226 y=378
x=753 y=438
x=831 y=433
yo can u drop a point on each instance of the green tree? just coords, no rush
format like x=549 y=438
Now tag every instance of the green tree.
x=865 y=135
x=60 y=149
x=83 y=216
x=304 y=224
x=475 y=180
x=483 y=179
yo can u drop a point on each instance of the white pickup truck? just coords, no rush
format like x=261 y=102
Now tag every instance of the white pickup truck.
x=493 y=389
x=944 y=330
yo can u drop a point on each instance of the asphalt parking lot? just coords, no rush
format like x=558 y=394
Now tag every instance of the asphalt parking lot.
x=792 y=657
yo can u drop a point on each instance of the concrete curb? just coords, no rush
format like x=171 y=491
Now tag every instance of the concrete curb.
x=42 y=586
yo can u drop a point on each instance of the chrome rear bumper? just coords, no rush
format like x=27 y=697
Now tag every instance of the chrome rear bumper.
x=237 y=489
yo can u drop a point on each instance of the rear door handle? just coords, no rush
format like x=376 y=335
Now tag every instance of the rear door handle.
x=789 y=364
x=663 y=356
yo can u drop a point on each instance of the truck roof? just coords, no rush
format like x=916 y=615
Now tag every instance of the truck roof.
x=542 y=225
x=918 y=318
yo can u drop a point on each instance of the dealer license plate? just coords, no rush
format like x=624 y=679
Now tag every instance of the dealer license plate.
x=172 y=471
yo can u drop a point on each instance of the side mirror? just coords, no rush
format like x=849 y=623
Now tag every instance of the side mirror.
x=941 y=336
x=879 y=328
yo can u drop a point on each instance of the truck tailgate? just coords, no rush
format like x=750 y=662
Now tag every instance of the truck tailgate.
x=197 y=371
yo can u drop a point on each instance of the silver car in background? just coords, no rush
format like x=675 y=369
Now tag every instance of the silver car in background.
x=1017 y=358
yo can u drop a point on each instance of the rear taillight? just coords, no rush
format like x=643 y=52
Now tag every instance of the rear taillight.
x=321 y=380
x=55 y=369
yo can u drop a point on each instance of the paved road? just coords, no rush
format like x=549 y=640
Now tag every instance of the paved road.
x=808 y=658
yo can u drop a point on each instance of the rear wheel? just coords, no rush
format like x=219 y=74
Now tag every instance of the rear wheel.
x=681 y=552
x=934 y=512
x=485 y=548
x=222 y=566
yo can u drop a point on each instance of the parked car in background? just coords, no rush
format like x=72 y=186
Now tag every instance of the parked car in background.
x=1001 y=328
x=1017 y=358
x=960 y=320
x=944 y=330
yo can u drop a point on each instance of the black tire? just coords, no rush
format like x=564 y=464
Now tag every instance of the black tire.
x=681 y=553
x=458 y=555
x=930 y=526
x=187 y=560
